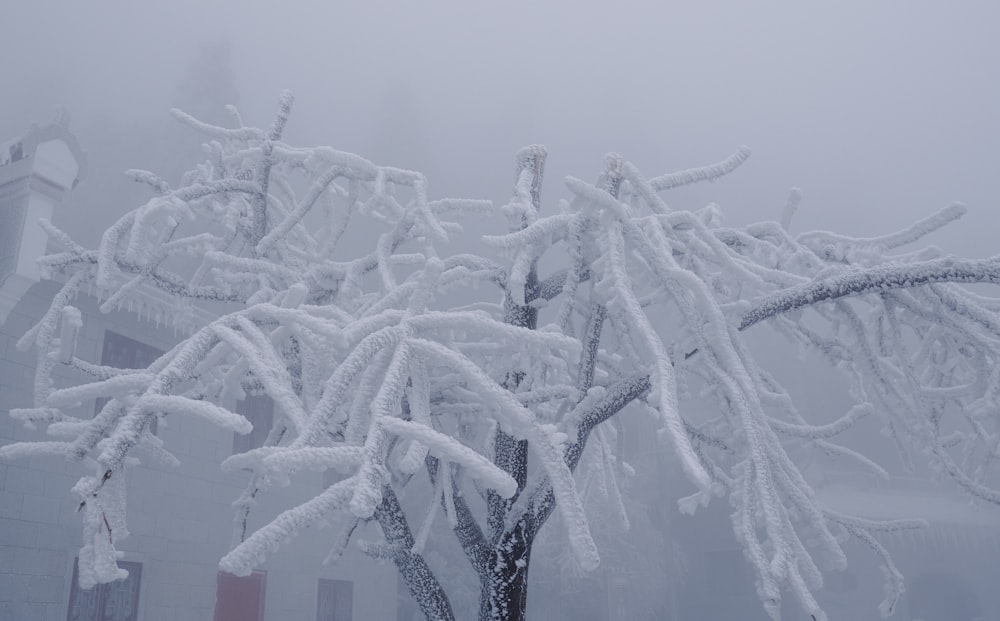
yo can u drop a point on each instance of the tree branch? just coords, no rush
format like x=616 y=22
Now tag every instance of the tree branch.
x=510 y=454
x=703 y=173
x=591 y=341
x=882 y=278
x=420 y=580
x=617 y=397
x=466 y=528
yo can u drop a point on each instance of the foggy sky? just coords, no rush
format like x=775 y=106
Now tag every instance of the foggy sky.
x=881 y=112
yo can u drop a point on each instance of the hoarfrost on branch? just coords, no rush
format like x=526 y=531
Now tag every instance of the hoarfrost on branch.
x=375 y=373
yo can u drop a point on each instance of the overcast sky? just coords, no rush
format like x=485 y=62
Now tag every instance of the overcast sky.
x=880 y=111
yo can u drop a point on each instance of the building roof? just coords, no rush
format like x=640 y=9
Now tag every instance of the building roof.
x=56 y=150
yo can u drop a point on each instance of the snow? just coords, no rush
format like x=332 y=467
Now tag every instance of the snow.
x=375 y=373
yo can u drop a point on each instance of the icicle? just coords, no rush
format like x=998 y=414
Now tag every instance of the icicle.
x=70 y=323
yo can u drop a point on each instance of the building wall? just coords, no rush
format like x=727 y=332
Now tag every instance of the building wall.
x=180 y=518
x=952 y=565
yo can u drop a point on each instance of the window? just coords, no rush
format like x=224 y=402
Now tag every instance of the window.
x=335 y=600
x=240 y=598
x=259 y=410
x=618 y=594
x=115 y=601
x=125 y=353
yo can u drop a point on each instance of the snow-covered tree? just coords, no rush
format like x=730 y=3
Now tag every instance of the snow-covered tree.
x=490 y=404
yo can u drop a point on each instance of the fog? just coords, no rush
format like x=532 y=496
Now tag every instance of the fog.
x=881 y=112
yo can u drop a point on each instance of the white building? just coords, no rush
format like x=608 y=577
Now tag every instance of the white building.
x=180 y=518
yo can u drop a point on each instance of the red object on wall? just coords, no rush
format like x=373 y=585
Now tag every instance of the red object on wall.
x=240 y=598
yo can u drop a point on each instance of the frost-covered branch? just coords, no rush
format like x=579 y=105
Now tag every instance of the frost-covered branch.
x=377 y=373
x=882 y=278
x=703 y=173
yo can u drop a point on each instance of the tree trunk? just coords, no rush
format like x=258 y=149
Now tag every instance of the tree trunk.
x=423 y=585
x=504 y=594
